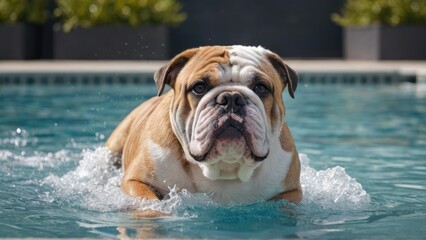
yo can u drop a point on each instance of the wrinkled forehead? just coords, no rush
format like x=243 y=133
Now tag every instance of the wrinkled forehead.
x=244 y=64
x=237 y=64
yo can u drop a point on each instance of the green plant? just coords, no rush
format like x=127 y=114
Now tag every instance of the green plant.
x=90 y=13
x=389 y=12
x=27 y=11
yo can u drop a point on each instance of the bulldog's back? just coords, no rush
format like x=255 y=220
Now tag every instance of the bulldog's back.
x=132 y=124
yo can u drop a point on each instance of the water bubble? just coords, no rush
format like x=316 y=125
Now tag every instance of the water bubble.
x=100 y=136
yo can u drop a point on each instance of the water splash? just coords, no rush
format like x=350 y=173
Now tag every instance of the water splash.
x=95 y=185
x=332 y=188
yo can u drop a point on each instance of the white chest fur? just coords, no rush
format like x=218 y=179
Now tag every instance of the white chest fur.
x=266 y=182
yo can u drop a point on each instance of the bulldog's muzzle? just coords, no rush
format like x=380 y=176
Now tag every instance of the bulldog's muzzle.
x=230 y=133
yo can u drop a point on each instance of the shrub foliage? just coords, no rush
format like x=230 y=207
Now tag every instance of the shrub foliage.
x=26 y=11
x=388 y=12
x=90 y=13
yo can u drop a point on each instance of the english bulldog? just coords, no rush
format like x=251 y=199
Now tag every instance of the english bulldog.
x=220 y=130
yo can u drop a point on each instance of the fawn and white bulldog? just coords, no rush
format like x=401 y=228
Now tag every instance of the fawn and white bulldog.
x=220 y=130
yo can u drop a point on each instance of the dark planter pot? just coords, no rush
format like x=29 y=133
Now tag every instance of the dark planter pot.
x=385 y=43
x=19 y=41
x=112 y=42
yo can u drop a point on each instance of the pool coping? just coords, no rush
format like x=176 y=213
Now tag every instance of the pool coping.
x=311 y=71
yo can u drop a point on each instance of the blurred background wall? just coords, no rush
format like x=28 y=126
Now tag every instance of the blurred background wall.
x=292 y=28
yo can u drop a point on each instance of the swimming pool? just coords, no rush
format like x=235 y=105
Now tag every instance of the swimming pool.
x=362 y=147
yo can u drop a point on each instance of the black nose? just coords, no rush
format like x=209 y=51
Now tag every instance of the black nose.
x=231 y=101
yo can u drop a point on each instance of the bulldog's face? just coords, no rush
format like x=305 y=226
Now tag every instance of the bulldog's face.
x=227 y=106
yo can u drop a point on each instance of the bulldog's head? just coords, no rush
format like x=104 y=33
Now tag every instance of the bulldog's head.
x=227 y=106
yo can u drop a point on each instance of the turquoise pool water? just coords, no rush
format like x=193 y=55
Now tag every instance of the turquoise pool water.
x=363 y=149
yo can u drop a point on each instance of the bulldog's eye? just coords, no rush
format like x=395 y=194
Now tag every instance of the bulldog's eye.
x=260 y=89
x=199 y=88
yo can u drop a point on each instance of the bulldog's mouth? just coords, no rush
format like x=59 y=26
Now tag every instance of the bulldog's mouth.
x=231 y=132
x=229 y=129
x=230 y=155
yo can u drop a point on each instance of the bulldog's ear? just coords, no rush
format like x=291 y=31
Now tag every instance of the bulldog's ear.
x=287 y=75
x=169 y=73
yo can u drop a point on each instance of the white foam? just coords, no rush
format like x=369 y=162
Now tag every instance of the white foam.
x=332 y=188
x=95 y=185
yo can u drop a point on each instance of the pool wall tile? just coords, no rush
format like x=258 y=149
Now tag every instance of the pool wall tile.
x=75 y=78
x=146 y=77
